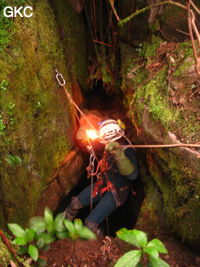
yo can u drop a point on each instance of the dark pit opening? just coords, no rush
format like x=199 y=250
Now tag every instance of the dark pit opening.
x=126 y=215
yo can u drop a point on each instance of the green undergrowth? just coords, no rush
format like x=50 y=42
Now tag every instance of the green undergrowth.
x=146 y=250
x=42 y=231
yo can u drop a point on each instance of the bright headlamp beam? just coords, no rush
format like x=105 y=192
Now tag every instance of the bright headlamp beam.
x=92 y=134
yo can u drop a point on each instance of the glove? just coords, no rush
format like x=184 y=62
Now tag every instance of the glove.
x=125 y=166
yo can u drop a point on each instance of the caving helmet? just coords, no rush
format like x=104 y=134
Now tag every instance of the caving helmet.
x=109 y=131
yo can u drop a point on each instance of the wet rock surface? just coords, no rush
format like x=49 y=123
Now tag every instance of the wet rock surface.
x=173 y=183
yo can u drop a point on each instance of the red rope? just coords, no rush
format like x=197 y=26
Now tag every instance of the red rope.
x=96 y=41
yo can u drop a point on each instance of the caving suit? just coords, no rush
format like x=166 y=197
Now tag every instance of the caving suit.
x=110 y=191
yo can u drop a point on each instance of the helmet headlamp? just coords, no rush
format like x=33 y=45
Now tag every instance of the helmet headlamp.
x=109 y=131
x=92 y=134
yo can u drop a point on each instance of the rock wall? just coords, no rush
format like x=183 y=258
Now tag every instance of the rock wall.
x=36 y=120
x=161 y=96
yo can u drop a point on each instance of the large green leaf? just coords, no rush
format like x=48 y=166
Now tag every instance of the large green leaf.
x=16 y=229
x=125 y=235
x=129 y=259
x=38 y=224
x=134 y=237
x=48 y=216
x=59 y=222
x=141 y=237
x=86 y=233
x=21 y=240
x=157 y=262
x=78 y=224
x=70 y=226
x=30 y=234
x=158 y=245
x=152 y=252
x=33 y=252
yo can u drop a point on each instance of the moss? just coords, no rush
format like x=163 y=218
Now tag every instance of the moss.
x=184 y=67
x=42 y=133
x=5 y=256
x=180 y=192
x=150 y=48
x=6 y=27
x=175 y=172
x=73 y=34
x=154 y=94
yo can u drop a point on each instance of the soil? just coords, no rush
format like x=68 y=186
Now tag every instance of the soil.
x=105 y=251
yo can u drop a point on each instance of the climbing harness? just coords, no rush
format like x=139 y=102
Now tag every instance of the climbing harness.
x=103 y=184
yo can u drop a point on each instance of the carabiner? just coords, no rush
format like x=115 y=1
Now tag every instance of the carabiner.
x=60 y=79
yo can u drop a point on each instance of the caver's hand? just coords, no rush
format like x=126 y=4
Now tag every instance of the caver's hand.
x=124 y=164
x=112 y=146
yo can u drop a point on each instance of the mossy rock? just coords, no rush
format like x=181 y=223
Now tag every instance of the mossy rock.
x=157 y=98
x=36 y=123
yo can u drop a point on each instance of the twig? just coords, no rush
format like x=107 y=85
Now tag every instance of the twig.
x=114 y=10
x=136 y=13
x=182 y=32
x=195 y=27
x=192 y=26
x=195 y=7
x=160 y=146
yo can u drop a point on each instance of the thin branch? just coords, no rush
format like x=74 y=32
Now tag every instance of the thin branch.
x=195 y=7
x=160 y=146
x=114 y=10
x=136 y=13
x=192 y=26
x=182 y=32
x=195 y=27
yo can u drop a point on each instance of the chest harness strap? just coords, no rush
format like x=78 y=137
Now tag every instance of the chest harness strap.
x=102 y=177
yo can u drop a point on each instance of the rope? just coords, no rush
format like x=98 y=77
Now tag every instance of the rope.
x=61 y=82
x=156 y=146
